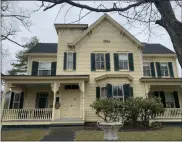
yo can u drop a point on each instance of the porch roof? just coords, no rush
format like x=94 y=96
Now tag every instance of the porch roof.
x=44 y=79
x=162 y=81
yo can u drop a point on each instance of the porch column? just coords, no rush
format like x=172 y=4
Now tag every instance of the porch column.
x=82 y=88
x=55 y=87
x=147 y=89
x=6 y=89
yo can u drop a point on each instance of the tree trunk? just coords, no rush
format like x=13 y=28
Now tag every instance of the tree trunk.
x=172 y=26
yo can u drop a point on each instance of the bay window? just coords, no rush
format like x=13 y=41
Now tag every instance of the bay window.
x=117 y=91
x=103 y=92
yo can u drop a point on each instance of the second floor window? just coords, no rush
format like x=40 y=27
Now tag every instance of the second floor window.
x=164 y=69
x=69 y=61
x=146 y=69
x=44 y=68
x=100 y=61
x=123 y=61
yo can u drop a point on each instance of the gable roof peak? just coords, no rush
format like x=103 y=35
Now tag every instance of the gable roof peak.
x=114 y=22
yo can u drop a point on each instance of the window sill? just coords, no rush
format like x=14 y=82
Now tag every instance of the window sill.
x=124 y=70
x=101 y=70
x=148 y=76
x=69 y=70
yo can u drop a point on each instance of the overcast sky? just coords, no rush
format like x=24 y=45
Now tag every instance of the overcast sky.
x=43 y=27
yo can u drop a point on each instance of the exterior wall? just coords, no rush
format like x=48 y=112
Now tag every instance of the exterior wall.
x=94 y=43
x=31 y=93
x=39 y=58
x=163 y=59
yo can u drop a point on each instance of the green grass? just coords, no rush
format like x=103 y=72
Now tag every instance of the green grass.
x=24 y=134
x=164 y=134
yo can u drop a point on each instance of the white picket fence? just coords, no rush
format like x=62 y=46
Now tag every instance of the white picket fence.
x=27 y=114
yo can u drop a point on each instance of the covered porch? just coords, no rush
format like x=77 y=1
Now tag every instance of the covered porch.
x=170 y=92
x=30 y=100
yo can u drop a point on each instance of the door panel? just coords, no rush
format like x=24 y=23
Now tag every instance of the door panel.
x=70 y=104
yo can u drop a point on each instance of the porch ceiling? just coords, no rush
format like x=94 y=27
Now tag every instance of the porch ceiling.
x=45 y=79
x=162 y=81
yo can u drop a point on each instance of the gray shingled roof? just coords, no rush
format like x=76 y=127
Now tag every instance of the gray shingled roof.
x=148 y=48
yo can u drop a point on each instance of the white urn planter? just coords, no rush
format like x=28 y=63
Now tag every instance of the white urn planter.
x=110 y=129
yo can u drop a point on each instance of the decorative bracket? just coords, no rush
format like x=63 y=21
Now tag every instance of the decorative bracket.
x=55 y=87
x=82 y=87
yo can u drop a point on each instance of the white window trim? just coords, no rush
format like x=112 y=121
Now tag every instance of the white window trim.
x=69 y=61
x=44 y=62
x=167 y=69
x=16 y=101
x=150 y=68
x=127 y=58
x=104 y=62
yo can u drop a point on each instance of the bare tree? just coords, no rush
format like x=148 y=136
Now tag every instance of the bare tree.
x=13 y=17
x=159 y=12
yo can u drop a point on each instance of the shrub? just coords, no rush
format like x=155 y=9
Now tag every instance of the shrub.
x=108 y=109
x=132 y=109
x=150 y=108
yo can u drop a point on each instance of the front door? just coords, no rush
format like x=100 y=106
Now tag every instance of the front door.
x=70 y=104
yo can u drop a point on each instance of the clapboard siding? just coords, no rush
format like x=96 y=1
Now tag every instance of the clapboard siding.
x=94 y=43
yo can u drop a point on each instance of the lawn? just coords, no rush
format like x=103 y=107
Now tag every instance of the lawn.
x=24 y=134
x=164 y=134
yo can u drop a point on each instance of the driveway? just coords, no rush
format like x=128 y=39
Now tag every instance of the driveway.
x=62 y=133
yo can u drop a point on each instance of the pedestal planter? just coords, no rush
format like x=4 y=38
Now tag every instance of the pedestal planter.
x=110 y=129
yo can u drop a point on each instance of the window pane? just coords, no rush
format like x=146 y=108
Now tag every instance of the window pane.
x=102 y=57
x=97 y=57
x=7 y=99
x=69 y=56
x=16 y=105
x=123 y=57
x=146 y=69
x=16 y=97
x=102 y=66
x=120 y=92
x=103 y=92
x=125 y=65
x=44 y=66
x=44 y=72
x=69 y=65
x=115 y=91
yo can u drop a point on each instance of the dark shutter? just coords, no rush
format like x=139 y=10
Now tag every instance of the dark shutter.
x=109 y=90
x=131 y=91
x=131 y=64
x=97 y=92
x=74 y=61
x=53 y=68
x=163 y=100
x=21 y=99
x=65 y=57
x=116 y=62
x=11 y=101
x=158 y=67
x=92 y=62
x=127 y=90
x=35 y=66
x=152 y=69
x=175 y=93
x=156 y=94
x=170 y=65
x=107 y=61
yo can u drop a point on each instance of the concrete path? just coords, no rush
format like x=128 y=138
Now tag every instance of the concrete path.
x=62 y=134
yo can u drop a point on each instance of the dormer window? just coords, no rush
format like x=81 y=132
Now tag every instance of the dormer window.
x=44 y=68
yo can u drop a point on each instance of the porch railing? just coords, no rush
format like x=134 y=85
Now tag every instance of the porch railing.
x=171 y=113
x=27 y=114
